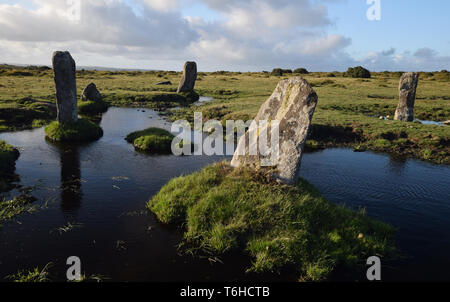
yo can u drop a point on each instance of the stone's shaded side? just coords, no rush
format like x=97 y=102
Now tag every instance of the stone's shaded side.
x=189 y=77
x=407 y=91
x=66 y=88
x=292 y=104
x=91 y=93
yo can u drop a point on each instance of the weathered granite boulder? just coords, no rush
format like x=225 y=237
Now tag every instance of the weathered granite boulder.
x=292 y=104
x=407 y=90
x=66 y=88
x=189 y=77
x=91 y=93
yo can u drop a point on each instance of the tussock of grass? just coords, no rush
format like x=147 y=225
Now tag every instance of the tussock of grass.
x=34 y=275
x=279 y=226
x=9 y=209
x=69 y=226
x=154 y=140
x=92 y=107
x=82 y=130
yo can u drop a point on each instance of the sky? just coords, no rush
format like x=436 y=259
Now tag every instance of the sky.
x=235 y=35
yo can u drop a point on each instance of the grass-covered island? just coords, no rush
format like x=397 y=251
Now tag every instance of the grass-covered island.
x=152 y=140
x=81 y=131
x=92 y=107
x=280 y=227
x=8 y=157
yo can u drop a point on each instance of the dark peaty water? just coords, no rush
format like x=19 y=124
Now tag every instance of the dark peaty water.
x=104 y=187
x=412 y=196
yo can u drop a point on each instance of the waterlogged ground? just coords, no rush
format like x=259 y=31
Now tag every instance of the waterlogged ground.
x=101 y=189
x=347 y=115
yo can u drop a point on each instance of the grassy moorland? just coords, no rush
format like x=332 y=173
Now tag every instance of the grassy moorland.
x=348 y=113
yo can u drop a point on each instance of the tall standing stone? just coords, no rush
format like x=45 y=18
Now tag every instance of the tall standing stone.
x=292 y=104
x=66 y=88
x=189 y=77
x=407 y=91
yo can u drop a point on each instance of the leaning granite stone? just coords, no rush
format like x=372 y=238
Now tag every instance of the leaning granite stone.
x=292 y=104
x=407 y=92
x=91 y=93
x=66 y=88
x=189 y=77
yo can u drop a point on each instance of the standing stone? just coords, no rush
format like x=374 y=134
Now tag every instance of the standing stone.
x=91 y=93
x=66 y=87
x=292 y=104
x=407 y=88
x=189 y=77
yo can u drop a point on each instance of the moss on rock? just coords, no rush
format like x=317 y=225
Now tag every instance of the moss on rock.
x=81 y=131
x=278 y=226
x=92 y=107
x=154 y=140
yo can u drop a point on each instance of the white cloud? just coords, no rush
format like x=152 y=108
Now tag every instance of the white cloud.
x=423 y=59
x=102 y=21
x=325 y=46
x=162 y=5
x=267 y=34
x=249 y=35
x=261 y=17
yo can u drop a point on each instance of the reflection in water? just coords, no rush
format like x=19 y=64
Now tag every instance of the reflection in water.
x=397 y=164
x=70 y=181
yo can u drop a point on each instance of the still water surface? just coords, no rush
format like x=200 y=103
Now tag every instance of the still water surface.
x=103 y=186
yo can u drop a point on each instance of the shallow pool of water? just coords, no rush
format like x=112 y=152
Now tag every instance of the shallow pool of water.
x=203 y=100
x=430 y=122
x=104 y=187
x=412 y=196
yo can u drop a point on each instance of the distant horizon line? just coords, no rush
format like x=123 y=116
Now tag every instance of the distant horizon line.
x=103 y=68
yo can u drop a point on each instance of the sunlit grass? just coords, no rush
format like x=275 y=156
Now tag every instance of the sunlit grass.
x=34 y=275
x=224 y=210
